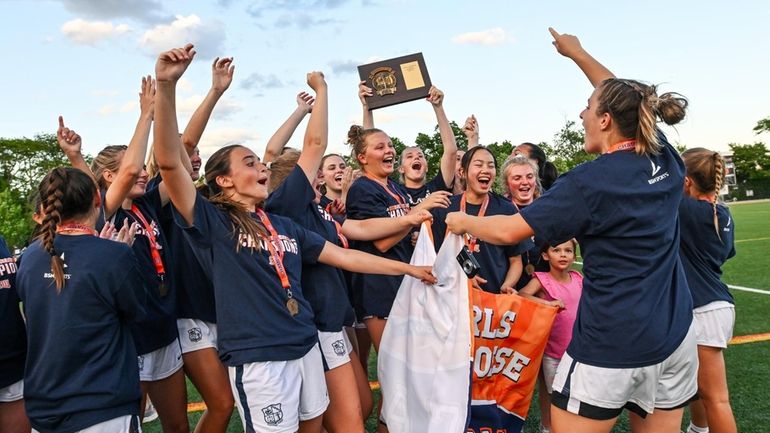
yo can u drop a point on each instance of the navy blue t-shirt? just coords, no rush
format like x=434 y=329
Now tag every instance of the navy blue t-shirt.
x=493 y=259
x=623 y=209
x=253 y=322
x=703 y=252
x=157 y=328
x=531 y=256
x=368 y=199
x=13 y=339
x=194 y=289
x=324 y=286
x=416 y=195
x=81 y=366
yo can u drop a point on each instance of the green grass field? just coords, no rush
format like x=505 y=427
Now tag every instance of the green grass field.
x=748 y=365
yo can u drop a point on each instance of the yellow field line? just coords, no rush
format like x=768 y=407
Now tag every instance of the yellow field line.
x=751 y=240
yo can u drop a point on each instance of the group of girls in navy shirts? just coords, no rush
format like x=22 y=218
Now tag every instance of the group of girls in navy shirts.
x=266 y=283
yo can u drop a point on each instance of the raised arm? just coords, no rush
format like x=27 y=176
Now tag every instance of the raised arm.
x=221 y=76
x=133 y=160
x=379 y=228
x=569 y=46
x=497 y=229
x=181 y=190
x=471 y=131
x=449 y=157
x=71 y=143
x=317 y=133
x=277 y=142
x=358 y=261
x=368 y=117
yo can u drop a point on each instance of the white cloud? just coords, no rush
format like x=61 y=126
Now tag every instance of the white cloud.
x=214 y=139
x=85 y=32
x=106 y=110
x=485 y=37
x=184 y=85
x=208 y=37
x=224 y=109
x=149 y=11
x=129 y=107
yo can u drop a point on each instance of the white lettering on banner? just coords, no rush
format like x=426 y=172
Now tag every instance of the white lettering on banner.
x=487 y=316
x=506 y=361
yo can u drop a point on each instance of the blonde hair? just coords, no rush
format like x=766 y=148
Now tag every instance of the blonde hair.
x=108 y=159
x=151 y=166
x=706 y=169
x=635 y=108
x=520 y=160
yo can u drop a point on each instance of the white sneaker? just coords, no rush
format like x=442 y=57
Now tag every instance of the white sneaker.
x=150 y=414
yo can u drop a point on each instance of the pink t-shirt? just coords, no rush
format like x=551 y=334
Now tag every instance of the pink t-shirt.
x=561 y=332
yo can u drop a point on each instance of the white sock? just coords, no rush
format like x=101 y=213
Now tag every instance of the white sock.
x=695 y=429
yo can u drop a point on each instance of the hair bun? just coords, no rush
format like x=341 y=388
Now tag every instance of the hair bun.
x=355 y=134
x=670 y=107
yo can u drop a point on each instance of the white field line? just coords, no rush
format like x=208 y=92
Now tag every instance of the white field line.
x=741 y=288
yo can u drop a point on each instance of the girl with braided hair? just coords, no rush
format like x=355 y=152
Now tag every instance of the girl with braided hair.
x=706 y=243
x=79 y=292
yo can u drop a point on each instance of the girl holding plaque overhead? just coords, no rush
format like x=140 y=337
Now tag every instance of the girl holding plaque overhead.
x=500 y=265
x=267 y=337
x=412 y=164
x=632 y=345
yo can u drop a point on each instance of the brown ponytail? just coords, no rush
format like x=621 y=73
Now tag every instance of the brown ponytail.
x=241 y=219
x=65 y=193
x=635 y=108
x=706 y=169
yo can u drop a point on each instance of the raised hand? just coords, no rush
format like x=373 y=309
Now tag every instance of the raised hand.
x=316 y=80
x=171 y=64
x=567 y=45
x=147 y=96
x=69 y=140
x=363 y=92
x=471 y=127
x=435 y=96
x=222 y=73
x=305 y=101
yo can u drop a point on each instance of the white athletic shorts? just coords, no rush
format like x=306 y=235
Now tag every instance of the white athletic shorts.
x=121 y=424
x=161 y=363
x=12 y=392
x=335 y=349
x=274 y=396
x=602 y=393
x=549 y=371
x=714 y=324
x=196 y=334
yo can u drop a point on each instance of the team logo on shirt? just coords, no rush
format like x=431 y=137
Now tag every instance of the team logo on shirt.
x=273 y=414
x=49 y=275
x=339 y=348
x=282 y=244
x=398 y=210
x=7 y=267
x=195 y=334
x=726 y=229
x=654 y=176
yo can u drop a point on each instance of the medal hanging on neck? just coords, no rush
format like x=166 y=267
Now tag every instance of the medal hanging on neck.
x=472 y=241
x=530 y=268
x=155 y=247
x=277 y=256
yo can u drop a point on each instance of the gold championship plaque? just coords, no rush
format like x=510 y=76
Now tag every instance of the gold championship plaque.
x=396 y=81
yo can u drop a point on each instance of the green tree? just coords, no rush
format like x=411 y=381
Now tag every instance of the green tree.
x=762 y=126
x=567 y=150
x=752 y=161
x=15 y=222
x=24 y=161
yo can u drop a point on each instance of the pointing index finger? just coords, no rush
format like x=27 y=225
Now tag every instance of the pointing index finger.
x=61 y=122
x=554 y=33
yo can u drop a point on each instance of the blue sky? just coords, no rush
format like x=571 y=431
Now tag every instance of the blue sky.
x=84 y=59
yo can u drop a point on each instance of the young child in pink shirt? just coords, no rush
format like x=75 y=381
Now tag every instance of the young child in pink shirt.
x=560 y=287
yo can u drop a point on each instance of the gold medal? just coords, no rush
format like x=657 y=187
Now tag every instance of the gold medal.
x=293 y=306
x=529 y=269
